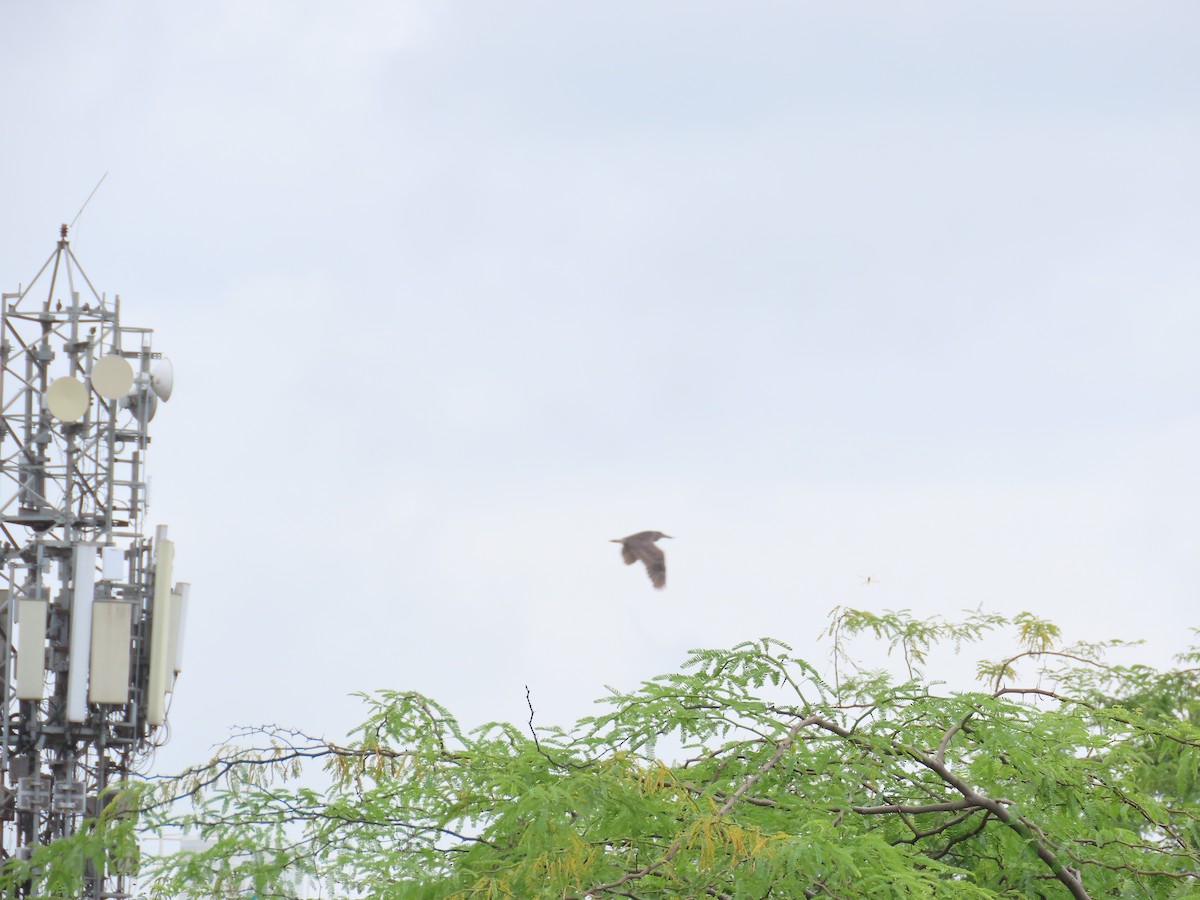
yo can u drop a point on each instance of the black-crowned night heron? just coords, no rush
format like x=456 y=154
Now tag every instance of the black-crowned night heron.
x=641 y=546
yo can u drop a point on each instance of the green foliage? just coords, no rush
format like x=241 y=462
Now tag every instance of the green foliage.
x=108 y=842
x=1063 y=776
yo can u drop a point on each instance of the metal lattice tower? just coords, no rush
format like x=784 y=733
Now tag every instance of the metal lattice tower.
x=92 y=627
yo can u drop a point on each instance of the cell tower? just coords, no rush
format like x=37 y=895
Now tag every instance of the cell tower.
x=92 y=624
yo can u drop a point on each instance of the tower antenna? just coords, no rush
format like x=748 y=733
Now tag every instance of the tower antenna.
x=91 y=621
x=88 y=200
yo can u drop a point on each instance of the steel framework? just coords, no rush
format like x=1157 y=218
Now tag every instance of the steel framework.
x=91 y=623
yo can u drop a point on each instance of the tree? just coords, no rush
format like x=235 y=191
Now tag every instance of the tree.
x=1066 y=776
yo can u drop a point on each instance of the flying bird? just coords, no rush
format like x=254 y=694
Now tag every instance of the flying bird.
x=641 y=546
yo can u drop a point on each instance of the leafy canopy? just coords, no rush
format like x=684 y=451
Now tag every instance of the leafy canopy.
x=1064 y=775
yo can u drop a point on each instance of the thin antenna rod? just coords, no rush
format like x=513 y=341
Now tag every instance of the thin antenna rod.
x=89 y=199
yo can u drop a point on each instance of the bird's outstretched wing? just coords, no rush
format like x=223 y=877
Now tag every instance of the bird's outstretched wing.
x=656 y=563
x=628 y=555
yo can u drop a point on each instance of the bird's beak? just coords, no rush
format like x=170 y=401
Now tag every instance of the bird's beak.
x=667 y=536
x=614 y=540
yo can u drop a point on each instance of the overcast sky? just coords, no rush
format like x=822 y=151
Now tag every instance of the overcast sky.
x=457 y=292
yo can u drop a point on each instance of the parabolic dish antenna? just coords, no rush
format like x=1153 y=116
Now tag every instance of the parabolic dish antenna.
x=162 y=378
x=67 y=398
x=142 y=403
x=112 y=377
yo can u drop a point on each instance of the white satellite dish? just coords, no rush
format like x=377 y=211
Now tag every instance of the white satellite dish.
x=142 y=403
x=162 y=379
x=67 y=399
x=112 y=377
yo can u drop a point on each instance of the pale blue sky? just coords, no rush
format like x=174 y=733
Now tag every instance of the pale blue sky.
x=457 y=292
